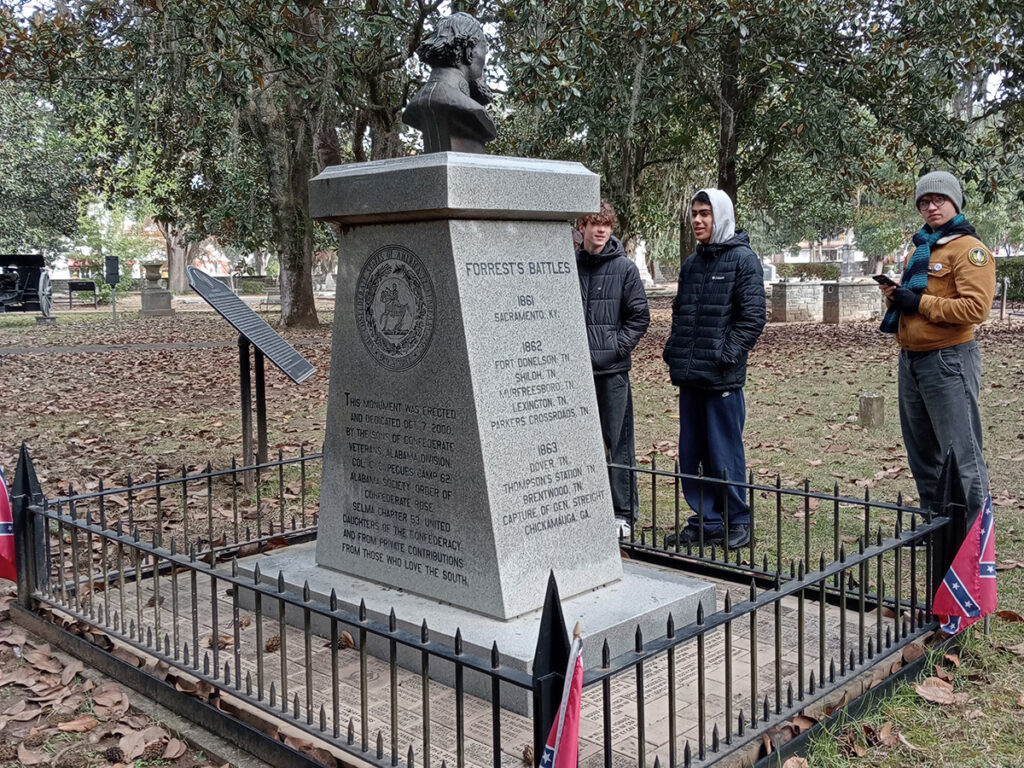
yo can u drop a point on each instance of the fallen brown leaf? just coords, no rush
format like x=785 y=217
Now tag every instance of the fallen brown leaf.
x=28 y=756
x=803 y=723
x=953 y=659
x=29 y=713
x=1011 y=616
x=795 y=762
x=886 y=736
x=175 y=749
x=935 y=690
x=942 y=674
x=79 y=725
x=43 y=661
x=70 y=671
x=135 y=743
x=913 y=652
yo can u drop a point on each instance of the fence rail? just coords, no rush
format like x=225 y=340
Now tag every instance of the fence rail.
x=151 y=568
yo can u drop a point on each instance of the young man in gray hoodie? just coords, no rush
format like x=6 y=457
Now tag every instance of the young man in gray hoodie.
x=717 y=316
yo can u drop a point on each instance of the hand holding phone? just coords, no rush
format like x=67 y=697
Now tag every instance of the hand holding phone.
x=884 y=280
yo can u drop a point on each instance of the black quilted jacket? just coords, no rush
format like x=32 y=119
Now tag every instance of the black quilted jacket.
x=717 y=316
x=614 y=306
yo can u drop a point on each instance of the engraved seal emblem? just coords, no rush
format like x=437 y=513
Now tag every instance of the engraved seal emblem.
x=395 y=307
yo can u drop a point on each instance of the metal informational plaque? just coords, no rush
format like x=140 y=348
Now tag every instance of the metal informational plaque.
x=250 y=325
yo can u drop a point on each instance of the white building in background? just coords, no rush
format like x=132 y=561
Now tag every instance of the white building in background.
x=840 y=250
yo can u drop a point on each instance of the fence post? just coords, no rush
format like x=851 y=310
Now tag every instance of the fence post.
x=549 y=664
x=953 y=505
x=28 y=539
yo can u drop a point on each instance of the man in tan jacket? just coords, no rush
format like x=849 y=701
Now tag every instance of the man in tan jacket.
x=946 y=288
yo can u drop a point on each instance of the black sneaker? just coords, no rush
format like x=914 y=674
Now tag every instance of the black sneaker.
x=691 y=535
x=739 y=536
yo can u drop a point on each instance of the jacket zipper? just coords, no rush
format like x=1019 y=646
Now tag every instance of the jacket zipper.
x=696 y=316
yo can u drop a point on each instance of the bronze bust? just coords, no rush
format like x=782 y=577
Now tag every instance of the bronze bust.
x=449 y=109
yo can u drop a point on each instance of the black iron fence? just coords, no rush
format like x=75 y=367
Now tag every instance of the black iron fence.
x=148 y=573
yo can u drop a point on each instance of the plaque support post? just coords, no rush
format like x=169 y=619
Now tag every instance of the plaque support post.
x=261 y=410
x=245 y=379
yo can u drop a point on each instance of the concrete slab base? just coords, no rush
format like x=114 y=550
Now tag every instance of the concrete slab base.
x=644 y=597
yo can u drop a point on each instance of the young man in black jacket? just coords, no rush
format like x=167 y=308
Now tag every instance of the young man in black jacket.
x=616 y=314
x=717 y=316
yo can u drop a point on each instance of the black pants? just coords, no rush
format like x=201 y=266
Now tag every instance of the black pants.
x=615 y=407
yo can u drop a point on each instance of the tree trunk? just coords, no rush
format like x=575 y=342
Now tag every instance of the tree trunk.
x=728 y=113
x=687 y=242
x=179 y=253
x=281 y=127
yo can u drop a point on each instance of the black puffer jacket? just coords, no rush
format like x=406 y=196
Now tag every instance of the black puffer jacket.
x=717 y=316
x=614 y=306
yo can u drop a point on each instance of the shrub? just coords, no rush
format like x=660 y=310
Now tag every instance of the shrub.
x=251 y=287
x=1013 y=269
x=814 y=271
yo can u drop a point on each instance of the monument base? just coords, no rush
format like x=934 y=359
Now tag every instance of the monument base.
x=644 y=597
x=156 y=303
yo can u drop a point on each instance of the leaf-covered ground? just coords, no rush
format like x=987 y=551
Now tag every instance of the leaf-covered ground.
x=121 y=405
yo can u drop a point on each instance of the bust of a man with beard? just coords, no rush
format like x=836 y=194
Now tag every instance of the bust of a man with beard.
x=449 y=109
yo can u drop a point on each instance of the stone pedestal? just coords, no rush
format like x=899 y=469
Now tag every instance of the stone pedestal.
x=156 y=301
x=796 y=302
x=463 y=457
x=849 y=302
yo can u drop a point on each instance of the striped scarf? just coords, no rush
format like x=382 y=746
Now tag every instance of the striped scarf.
x=915 y=273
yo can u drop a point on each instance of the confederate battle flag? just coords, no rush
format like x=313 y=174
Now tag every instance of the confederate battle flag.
x=7 y=569
x=968 y=592
x=563 y=744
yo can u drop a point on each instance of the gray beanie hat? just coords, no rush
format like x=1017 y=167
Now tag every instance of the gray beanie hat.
x=940 y=183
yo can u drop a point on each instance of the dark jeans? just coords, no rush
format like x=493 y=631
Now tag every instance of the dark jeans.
x=615 y=407
x=938 y=393
x=711 y=437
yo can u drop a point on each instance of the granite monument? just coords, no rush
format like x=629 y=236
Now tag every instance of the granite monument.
x=463 y=459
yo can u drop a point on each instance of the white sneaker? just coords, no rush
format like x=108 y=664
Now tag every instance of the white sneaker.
x=625 y=527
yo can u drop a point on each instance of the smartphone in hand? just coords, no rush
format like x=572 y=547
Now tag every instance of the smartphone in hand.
x=884 y=280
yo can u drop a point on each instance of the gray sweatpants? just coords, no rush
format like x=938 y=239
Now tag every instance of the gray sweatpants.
x=938 y=394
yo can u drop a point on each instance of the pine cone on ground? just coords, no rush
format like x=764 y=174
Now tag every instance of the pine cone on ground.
x=114 y=755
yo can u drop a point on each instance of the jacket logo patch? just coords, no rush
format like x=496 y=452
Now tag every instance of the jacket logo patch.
x=978 y=257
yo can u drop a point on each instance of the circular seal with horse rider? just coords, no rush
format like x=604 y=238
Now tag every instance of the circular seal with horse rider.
x=395 y=310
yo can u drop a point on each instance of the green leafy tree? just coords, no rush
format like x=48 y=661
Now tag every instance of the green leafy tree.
x=109 y=231
x=40 y=178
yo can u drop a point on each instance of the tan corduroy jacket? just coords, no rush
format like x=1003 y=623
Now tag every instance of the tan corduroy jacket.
x=961 y=284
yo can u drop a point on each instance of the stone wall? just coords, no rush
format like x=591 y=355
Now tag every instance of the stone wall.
x=796 y=302
x=847 y=302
